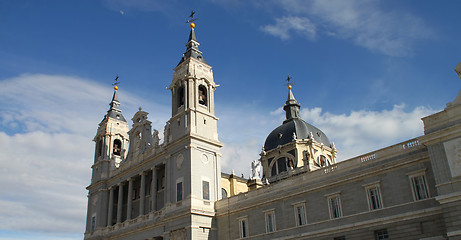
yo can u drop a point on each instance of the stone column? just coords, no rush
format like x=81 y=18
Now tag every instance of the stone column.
x=142 y=193
x=120 y=203
x=166 y=193
x=130 y=199
x=111 y=206
x=154 y=189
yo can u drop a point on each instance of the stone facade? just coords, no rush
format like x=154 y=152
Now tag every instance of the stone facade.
x=144 y=189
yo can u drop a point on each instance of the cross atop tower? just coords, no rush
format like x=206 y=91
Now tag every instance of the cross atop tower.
x=289 y=83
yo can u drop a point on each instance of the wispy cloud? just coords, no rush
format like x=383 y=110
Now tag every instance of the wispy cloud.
x=365 y=23
x=47 y=123
x=285 y=25
x=363 y=131
x=354 y=134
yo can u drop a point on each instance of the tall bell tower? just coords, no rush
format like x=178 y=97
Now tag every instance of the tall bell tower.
x=193 y=90
x=191 y=138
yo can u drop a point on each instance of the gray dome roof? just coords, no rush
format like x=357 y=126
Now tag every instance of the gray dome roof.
x=284 y=134
x=293 y=124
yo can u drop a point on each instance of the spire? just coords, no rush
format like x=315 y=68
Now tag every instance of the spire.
x=192 y=47
x=114 y=110
x=291 y=106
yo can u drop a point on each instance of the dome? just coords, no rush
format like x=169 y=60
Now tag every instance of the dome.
x=284 y=134
x=293 y=124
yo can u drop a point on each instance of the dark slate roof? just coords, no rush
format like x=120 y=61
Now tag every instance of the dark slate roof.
x=293 y=124
x=192 y=49
x=284 y=134
x=114 y=110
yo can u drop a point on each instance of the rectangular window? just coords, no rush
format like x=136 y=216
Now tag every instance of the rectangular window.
x=270 y=221
x=419 y=187
x=381 y=234
x=93 y=223
x=374 y=198
x=206 y=190
x=243 y=227
x=178 y=191
x=300 y=214
x=334 y=204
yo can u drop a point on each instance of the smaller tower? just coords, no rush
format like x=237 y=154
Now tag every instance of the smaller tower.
x=112 y=135
x=111 y=145
x=294 y=145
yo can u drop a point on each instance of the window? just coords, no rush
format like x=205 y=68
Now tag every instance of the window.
x=300 y=214
x=206 y=190
x=334 y=205
x=419 y=185
x=270 y=220
x=279 y=166
x=243 y=227
x=321 y=161
x=202 y=95
x=223 y=193
x=117 y=147
x=180 y=96
x=93 y=223
x=179 y=191
x=99 y=149
x=381 y=234
x=374 y=196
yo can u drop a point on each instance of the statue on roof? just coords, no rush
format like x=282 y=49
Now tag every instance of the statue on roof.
x=255 y=169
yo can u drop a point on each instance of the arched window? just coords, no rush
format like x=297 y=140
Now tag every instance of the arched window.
x=99 y=149
x=180 y=96
x=321 y=161
x=202 y=95
x=223 y=193
x=279 y=166
x=117 y=147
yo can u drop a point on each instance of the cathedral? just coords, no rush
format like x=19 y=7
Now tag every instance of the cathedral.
x=145 y=189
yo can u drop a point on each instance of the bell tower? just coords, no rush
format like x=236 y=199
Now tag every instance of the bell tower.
x=192 y=91
x=111 y=147
x=191 y=137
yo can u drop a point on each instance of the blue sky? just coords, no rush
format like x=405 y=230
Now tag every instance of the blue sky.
x=365 y=72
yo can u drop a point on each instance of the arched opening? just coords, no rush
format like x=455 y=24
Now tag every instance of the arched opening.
x=321 y=161
x=202 y=95
x=99 y=149
x=223 y=193
x=117 y=147
x=180 y=96
x=279 y=166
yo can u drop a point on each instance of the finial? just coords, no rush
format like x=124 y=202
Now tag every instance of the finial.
x=289 y=84
x=191 y=20
x=115 y=83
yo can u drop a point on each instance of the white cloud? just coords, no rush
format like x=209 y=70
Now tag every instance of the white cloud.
x=363 y=131
x=283 y=26
x=47 y=124
x=365 y=23
x=354 y=134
